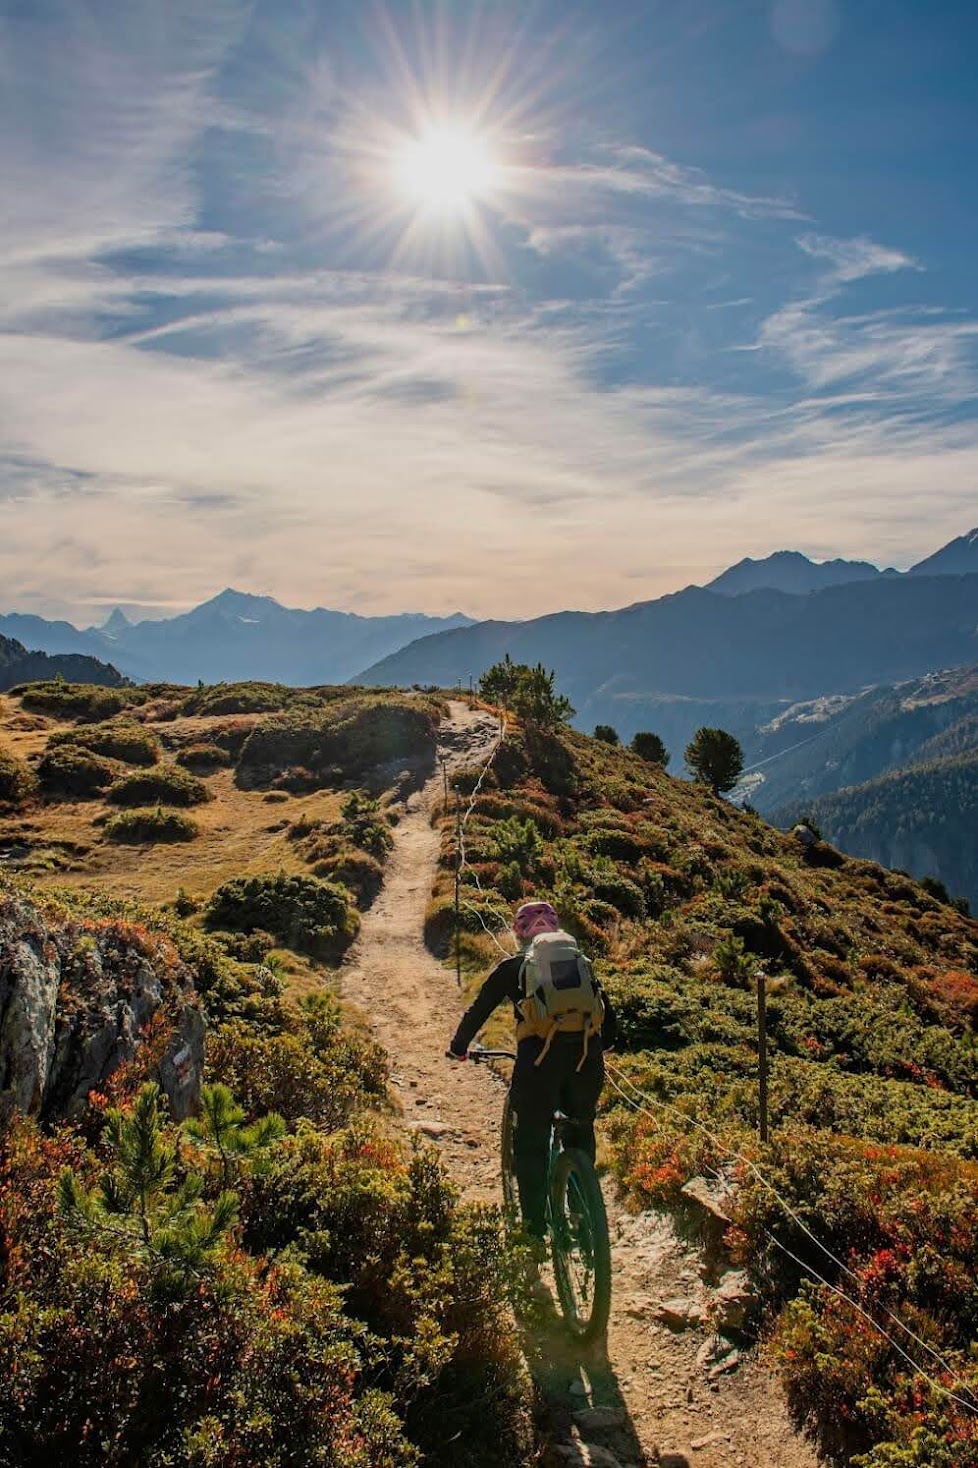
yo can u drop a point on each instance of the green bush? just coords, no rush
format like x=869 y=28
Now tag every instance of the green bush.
x=650 y=747
x=17 y=782
x=117 y=739
x=313 y=747
x=75 y=773
x=316 y=1068
x=306 y=914
x=237 y=698
x=356 y=870
x=362 y=823
x=139 y=827
x=203 y=758
x=165 y=784
x=90 y=702
x=606 y=734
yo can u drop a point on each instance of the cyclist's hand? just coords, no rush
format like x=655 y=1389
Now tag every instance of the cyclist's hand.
x=451 y=1055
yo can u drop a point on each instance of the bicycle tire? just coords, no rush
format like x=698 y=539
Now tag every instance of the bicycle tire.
x=506 y=1165
x=580 y=1246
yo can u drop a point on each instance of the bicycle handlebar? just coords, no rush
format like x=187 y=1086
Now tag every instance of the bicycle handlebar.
x=477 y=1053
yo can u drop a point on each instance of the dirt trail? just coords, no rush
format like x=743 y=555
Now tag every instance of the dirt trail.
x=661 y=1409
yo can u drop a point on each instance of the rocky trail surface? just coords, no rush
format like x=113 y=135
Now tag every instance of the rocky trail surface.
x=667 y=1394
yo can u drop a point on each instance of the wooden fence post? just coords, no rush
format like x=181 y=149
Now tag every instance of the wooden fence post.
x=458 y=877
x=762 y=1052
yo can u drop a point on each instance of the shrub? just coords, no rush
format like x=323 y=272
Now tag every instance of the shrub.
x=313 y=747
x=606 y=734
x=304 y=913
x=87 y=701
x=117 y=739
x=357 y=870
x=71 y=771
x=650 y=747
x=528 y=692
x=203 y=758
x=136 y=827
x=17 y=782
x=317 y=1069
x=362 y=823
x=238 y=698
x=166 y=784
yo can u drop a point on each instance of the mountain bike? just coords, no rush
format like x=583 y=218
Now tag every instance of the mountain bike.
x=577 y=1223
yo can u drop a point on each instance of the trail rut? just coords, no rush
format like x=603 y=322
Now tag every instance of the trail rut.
x=661 y=1409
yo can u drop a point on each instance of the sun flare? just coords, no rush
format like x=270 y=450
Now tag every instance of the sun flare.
x=446 y=170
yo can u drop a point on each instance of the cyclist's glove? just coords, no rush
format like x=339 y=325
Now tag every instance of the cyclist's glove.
x=451 y=1054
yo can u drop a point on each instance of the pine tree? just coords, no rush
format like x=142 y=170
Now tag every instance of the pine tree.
x=715 y=758
x=147 y=1201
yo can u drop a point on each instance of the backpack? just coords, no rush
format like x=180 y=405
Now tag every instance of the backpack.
x=560 y=994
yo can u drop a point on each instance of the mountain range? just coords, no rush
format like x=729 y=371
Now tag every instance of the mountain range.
x=234 y=636
x=17 y=665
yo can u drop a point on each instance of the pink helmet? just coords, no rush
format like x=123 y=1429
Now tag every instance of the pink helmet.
x=534 y=917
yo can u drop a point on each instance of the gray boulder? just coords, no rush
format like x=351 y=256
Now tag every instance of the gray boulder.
x=77 y=1000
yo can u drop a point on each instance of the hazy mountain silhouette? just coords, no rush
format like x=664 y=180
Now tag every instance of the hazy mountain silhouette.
x=792 y=572
x=235 y=636
x=958 y=558
x=697 y=656
x=18 y=665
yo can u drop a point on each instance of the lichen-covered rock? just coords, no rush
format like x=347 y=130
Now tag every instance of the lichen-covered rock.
x=78 y=999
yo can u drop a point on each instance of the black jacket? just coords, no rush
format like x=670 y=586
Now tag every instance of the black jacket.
x=502 y=984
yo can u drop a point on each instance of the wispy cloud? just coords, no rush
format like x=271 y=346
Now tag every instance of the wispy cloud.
x=205 y=384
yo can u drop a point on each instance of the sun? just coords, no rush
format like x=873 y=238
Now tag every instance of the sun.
x=446 y=170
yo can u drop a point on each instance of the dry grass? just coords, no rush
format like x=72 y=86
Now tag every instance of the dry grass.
x=240 y=833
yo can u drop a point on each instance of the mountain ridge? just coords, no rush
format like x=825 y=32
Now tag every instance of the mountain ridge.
x=233 y=635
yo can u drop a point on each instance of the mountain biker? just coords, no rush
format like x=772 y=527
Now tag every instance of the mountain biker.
x=564 y=1079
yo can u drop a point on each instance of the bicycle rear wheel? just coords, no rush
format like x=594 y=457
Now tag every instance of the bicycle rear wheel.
x=580 y=1245
x=506 y=1163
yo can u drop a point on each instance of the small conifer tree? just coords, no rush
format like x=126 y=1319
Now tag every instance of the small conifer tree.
x=715 y=758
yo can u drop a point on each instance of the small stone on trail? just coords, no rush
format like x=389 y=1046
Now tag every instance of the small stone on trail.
x=430 y=1128
x=733 y=1300
x=638 y=1309
x=698 y=1190
x=711 y=1439
x=679 y=1313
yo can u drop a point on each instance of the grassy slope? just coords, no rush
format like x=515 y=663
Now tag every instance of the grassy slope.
x=875 y=1069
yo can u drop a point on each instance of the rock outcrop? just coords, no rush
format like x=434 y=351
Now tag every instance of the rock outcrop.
x=78 y=999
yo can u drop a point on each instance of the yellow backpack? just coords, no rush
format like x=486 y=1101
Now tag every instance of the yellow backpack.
x=560 y=994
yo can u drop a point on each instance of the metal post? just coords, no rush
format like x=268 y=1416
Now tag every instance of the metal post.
x=762 y=1052
x=458 y=873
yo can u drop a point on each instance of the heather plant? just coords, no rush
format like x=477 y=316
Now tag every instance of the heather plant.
x=17 y=781
x=165 y=784
x=143 y=827
x=71 y=772
x=303 y=912
x=117 y=739
x=90 y=702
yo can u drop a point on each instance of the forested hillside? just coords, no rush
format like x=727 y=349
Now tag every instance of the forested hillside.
x=17 y=665
x=815 y=748
x=922 y=820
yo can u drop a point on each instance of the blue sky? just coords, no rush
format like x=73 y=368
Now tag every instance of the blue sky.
x=717 y=298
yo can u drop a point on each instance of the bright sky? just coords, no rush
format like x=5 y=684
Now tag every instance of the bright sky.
x=493 y=306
